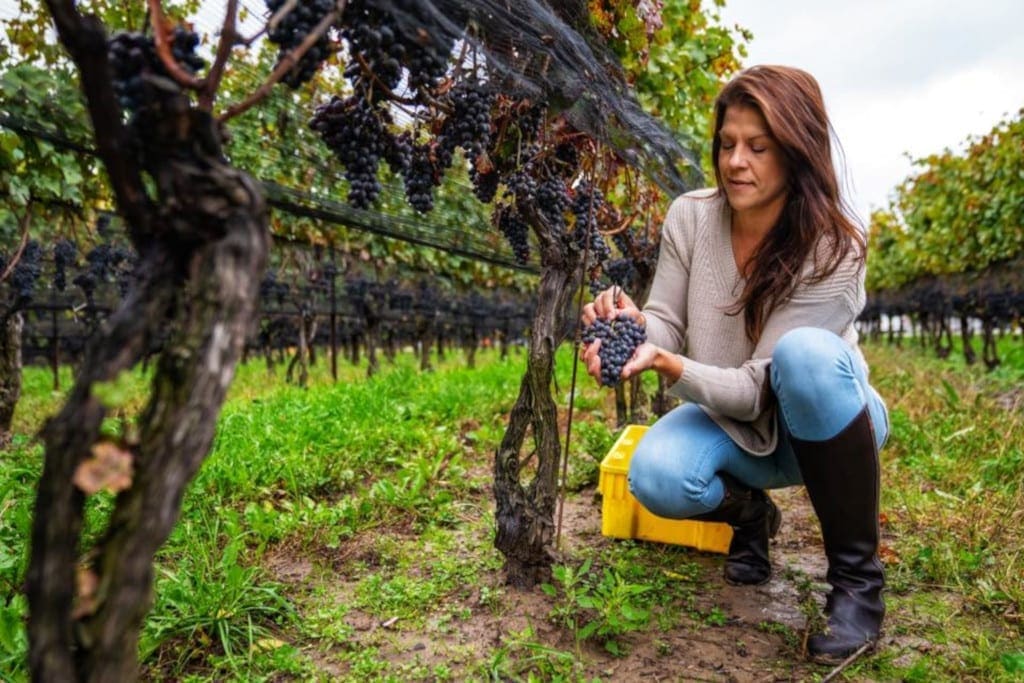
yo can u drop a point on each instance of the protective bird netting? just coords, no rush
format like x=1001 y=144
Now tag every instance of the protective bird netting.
x=537 y=50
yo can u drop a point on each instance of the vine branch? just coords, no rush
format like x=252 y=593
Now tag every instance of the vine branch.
x=23 y=224
x=161 y=31
x=228 y=37
x=285 y=65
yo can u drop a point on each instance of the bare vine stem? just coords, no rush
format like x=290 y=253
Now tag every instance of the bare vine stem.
x=228 y=37
x=24 y=221
x=572 y=384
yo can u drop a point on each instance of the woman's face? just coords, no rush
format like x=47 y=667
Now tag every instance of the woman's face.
x=751 y=164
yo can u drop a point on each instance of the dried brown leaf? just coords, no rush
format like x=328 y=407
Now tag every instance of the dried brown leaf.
x=86 y=583
x=109 y=468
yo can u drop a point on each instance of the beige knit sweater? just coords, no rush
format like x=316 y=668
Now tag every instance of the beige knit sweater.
x=696 y=283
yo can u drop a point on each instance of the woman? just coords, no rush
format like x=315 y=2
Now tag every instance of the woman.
x=751 y=319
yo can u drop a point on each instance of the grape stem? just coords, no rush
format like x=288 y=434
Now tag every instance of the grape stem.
x=24 y=221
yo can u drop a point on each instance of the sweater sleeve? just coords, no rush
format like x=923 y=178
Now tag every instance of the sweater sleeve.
x=665 y=309
x=743 y=393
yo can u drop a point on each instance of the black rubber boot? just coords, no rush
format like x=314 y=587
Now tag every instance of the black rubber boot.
x=754 y=519
x=842 y=479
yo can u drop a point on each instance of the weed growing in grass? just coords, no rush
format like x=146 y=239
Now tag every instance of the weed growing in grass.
x=590 y=442
x=713 y=617
x=790 y=636
x=523 y=658
x=602 y=608
x=213 y=600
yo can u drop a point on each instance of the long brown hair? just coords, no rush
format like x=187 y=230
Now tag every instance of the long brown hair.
x=814 y=213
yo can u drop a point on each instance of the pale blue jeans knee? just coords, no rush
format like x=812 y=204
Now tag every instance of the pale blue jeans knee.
x=820 y=384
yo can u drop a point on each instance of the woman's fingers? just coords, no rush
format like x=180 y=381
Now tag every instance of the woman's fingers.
x=589 y=314
x=591 y=358
x=608 y=303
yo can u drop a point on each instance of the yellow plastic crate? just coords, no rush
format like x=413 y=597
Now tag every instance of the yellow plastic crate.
x=623 y=517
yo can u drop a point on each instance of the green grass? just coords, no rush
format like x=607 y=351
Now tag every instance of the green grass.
x=323 y=513
x=953 y=499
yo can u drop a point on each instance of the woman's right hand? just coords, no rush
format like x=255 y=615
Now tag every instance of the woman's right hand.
x=611 y=303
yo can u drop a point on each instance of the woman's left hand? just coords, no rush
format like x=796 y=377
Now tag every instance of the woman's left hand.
x=643 y=359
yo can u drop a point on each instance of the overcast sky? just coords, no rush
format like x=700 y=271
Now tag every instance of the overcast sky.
x=899 y=76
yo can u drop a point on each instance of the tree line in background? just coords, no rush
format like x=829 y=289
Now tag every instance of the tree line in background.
x=947 y=256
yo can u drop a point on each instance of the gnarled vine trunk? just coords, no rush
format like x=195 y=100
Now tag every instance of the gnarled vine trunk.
x=525 y=511
x=210 y=292
x=10 y=372
x=202 y=248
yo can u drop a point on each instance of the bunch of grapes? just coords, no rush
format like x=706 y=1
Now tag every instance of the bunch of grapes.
x=469 y=125
x=531 y=120
x=271 y=287
x=133 y=58
x=552 y=202
x=520 y=183
x=619 y=339
x=373 y=36
x=516 y=231
x=585 y=206
x=26 y=273
x=104 y=262
x=398 y=153
x=380 y=43
x=428 y=62
x=420 y=178
x=292 y=29
x=621 y=272
x=485 y=185
x=64 y=253
x=352 y=129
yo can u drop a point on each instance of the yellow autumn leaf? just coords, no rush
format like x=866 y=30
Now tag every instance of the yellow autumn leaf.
x=267 y=644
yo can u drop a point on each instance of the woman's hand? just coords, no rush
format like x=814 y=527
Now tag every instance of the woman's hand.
x=611 y=303
x=591 y=359
x=647 y=356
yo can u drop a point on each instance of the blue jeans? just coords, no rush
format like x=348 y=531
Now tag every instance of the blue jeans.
x=820 y=385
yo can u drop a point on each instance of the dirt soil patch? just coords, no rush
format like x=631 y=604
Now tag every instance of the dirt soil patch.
x=757 y=638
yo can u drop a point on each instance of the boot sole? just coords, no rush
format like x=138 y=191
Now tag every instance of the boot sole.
x=835 y=660
x=749 y=583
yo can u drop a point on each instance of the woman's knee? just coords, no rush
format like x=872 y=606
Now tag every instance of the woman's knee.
x=806 y=361
x=819 y=383
x=672 y=475
x=807 y=348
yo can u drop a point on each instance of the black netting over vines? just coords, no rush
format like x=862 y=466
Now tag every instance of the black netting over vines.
x=535 y=49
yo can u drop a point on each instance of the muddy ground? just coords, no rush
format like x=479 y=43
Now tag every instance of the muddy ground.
x=757 y=638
